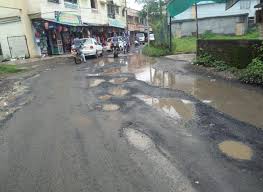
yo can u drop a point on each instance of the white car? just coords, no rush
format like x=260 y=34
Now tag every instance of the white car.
x=151 y=37
x=109 y=43
x=91 y=47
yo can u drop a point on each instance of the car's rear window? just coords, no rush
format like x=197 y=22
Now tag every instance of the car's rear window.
x=88 y=41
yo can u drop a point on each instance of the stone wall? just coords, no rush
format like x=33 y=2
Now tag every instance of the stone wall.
x=236 y=53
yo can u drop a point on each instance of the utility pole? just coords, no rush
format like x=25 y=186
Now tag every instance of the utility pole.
x=196 y=20
x=148 y=30
x=126 y=12
x=170 y=31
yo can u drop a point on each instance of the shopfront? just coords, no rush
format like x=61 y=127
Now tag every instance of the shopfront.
x=54 y=36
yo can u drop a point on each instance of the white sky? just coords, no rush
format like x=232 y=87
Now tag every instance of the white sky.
x=133 y=5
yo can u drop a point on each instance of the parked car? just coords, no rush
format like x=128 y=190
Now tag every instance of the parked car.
x=151 y=37
x=90 y=47
x=140 y=37
x=109 y=43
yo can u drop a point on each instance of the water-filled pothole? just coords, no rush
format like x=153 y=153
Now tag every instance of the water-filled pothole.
x=175 y=108
x=104 y=97
x=236 y=150
x=110 y=107
x=118 y=80
x=118 y=91
x=95 y=82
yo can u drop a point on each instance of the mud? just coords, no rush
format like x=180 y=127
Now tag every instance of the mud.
x=236 y=150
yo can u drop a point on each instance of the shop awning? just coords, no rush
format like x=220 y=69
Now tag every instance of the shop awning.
x=175 y=7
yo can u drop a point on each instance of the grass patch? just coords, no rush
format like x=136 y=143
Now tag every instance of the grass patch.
x=4 y=69
x=184 y=45
x=188 y=44
x=153 y=51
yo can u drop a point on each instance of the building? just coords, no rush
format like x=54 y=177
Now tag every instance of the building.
x=214 y=18
x=51 y=25
x=259 y=17
x=16 y=36
x=136 y=24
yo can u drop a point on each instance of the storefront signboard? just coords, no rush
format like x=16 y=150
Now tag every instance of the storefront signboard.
x=116 y=23
x=67 y=18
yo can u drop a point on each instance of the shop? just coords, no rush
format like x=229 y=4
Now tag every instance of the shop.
x=55 y=36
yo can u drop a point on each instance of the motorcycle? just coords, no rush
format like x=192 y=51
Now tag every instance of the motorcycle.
x=136 y=43
x=115 y=49
x=77 y=54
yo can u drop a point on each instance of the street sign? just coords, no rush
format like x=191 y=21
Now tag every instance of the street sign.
x=230 y=3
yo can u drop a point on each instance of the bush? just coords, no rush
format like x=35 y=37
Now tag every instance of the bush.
x=153 y=51
x=253 y=73
x=208 y=60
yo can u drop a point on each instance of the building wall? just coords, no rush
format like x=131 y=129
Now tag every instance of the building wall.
x=209 y=9
x=219 y=25
x=25 y=26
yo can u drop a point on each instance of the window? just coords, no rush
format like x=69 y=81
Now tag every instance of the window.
x=71 y=1
x=1 y=52
x=123 y=12
x=245 y=4
x=53 y=1
x=117 y=10
x=93 y=4
x=111 y=11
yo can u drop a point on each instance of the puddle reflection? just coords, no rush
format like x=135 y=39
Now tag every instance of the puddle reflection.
x=243 y=104
x=176 y=109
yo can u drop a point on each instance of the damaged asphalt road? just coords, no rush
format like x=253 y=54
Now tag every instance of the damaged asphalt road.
x=98 y=127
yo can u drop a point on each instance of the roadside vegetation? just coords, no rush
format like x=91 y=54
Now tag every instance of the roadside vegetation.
x=5 y=69
x=252 y=74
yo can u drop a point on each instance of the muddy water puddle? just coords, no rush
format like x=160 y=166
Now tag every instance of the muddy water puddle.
x=105 y=97
x=174 y=108
x=118 y=80
x=237 y=101
x=118 y=91
x=110 y=107
x=236 y=150
x=94 y=82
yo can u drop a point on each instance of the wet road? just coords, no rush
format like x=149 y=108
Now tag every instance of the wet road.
x=112 y=125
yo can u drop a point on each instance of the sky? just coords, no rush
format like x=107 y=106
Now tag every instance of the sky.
x=133 y=5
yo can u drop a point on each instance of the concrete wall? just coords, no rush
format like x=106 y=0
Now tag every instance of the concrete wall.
x=219 y=25
x=236 y=53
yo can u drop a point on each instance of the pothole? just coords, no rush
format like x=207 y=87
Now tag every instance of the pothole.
x=174 y=108
x=236 y=150
x=110 y=107
x=138 y=139
x=104 y=97
x=118 y=80
x=118 y=91
x=95 y=82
